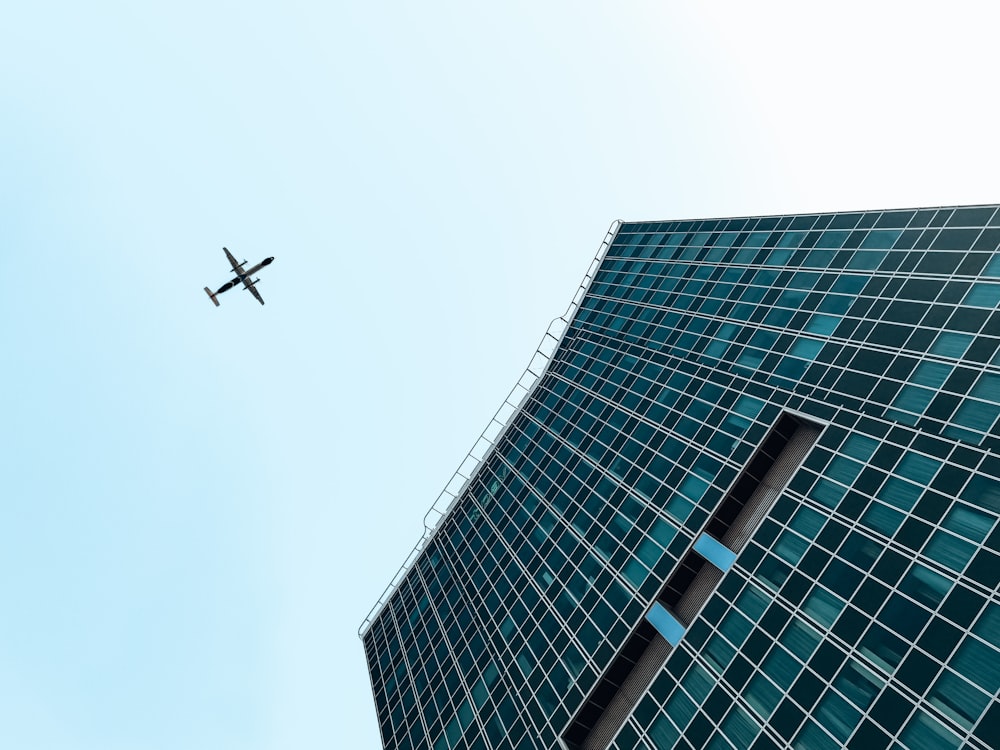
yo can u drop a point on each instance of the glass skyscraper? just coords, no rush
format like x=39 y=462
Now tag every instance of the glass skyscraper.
x=749 y=500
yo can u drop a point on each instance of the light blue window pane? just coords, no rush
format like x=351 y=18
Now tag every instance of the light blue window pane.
x=791 y=239
x=925 y=585
x=884 y=649
x=666 y=624
x=957 y=699
x=781 y=667
x=950 y=344
x=719 y=653
x=679 y=508
x=698 y=682
x=866 y=260
x=983 y=491
x=663 y=532
x=827 y=493
x=833 y=238
x=663 y=734
x=923 y=732
x=635 y=573
x=993 y=267
x=778 y=257
x=680 y=708
x=715 y=552
x=736 y=627
x=949 y=550
x=968 y=522
x=983 y=295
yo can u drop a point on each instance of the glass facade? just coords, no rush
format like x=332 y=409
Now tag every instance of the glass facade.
x=860 y=606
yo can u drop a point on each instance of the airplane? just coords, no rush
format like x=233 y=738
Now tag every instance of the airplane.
x=241 y=276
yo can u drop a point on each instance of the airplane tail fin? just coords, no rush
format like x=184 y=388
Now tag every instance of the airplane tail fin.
x=212 y=296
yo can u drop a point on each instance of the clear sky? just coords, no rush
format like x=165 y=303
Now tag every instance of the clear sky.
x=198 y=506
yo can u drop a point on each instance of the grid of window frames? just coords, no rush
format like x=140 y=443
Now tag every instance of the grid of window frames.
x=862 y=613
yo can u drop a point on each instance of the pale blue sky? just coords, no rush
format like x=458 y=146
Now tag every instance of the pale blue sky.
x=198 y=506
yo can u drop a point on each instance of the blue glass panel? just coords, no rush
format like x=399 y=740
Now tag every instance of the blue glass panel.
x=715 y=552
x=668 y=626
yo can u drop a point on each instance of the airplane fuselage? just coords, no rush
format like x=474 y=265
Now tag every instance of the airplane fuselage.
x=242 y=277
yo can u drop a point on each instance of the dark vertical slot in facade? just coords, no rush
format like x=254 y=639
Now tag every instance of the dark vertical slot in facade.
x=753 y=476
x=693 y=581
x=681 y=579
x=602 y=696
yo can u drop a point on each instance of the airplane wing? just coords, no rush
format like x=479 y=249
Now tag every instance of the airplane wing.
x=249 y=284
x=237 y=266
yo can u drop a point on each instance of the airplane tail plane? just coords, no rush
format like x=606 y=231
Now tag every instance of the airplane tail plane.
x=212 y=296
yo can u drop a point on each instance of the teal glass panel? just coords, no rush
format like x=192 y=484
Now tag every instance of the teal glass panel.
x=979 y=663
x=811 y=737
x=900 y=493
x=680 y=708
x=917 y=468
x=822 y=325
x=951 y=344
x=912 y=399
x=924 y=732
x=949 y=550
x=790 y=547
x=882 y=518
x=976 y=416
x=959 y=700
x=987 y=626
x=740 y=728
x=837 y=715
x=968 y=522
x=858 y=683
x=931 y=374
x=823 y=606
x=800 y=638
x=983 y=295
x=762 y=696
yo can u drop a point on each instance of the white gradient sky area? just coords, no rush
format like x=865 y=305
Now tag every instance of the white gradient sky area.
x=198 y=506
